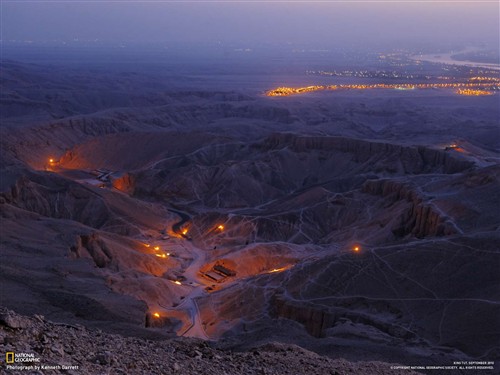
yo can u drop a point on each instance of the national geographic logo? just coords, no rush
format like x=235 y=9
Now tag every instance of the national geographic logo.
x=29 y=362
x=9 y=357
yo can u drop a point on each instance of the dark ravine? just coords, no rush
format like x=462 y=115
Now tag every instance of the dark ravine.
x=177 y=227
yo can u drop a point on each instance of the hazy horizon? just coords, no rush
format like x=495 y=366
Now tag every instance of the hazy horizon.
x=253 y=23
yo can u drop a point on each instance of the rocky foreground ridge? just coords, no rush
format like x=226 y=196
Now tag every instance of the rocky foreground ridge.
x=95 y=352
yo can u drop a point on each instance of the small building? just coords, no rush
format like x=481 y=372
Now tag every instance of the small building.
x=222 y=270
x=214 y=276
x=219 y=273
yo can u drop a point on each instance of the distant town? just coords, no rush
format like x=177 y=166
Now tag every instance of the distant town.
x=382 y=70
x=474 y=88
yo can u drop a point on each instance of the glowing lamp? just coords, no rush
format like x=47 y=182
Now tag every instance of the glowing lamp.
x=156 y=315
x=177 y=282
x=356 y=248
x=220 y=227
x=157 y=248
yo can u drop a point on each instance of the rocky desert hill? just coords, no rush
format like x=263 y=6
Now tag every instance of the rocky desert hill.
x=72 y=349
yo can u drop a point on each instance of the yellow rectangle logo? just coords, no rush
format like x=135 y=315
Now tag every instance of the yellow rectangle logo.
x=9 y=357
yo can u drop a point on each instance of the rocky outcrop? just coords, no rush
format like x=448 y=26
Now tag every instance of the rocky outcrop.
x=12 y=320
x=54 y=138
x=317 y=319
x=124 y=183
x=413 y=159
x=419 y=218
x=53 y=196
x=91 y=245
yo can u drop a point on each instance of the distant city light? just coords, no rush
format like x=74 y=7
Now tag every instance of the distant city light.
x=469 y=92
x=464 y=88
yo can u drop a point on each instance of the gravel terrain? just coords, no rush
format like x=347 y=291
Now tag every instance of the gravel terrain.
x=94 y=352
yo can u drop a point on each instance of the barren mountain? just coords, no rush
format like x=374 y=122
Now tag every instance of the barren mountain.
x=356 y=225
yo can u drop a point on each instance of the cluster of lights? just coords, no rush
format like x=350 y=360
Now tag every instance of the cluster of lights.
x=286 y=91
x=487 y=79
x=367 y=73
x=470 y=92
x=157 y=249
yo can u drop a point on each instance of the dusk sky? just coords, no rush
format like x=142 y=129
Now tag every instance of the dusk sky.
x=253 y=22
